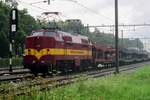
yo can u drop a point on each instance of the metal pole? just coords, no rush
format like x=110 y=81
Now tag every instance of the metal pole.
x=10 y=55
x=116 y=37
x=145 y=45
x=122 y=39
x=13 y=30
x=137 y=43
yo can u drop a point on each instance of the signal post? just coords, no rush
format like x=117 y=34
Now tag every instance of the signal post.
x=13 y=30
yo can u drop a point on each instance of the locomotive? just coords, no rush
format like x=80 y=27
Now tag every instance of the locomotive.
x=48 y=49
x=53 y=50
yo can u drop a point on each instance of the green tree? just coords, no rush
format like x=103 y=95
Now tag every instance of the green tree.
x=26 y=24
x=4 y=29
x=71 y=26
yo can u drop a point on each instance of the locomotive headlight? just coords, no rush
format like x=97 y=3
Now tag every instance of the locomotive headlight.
x=33 y=61
x=42 y=61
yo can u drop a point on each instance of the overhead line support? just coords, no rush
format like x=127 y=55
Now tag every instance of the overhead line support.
x=116 y=38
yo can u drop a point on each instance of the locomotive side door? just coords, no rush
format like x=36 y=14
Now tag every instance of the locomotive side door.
x=93 y=53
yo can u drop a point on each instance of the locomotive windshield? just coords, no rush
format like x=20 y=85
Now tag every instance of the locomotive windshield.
x=37 y=33
x=40 y=33
x=49 y=33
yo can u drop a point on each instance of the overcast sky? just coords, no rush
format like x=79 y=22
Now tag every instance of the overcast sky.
x=97 y=12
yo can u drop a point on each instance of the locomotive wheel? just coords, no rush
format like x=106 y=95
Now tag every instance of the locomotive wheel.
x=45 y=70
x=80 y=69
x=34 y=72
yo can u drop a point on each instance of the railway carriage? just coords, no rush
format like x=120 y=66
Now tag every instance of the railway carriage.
x=126 y=56
x=103 y=55
x=132 y=55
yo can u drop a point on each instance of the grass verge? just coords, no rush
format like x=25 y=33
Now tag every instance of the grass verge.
x=134 y=86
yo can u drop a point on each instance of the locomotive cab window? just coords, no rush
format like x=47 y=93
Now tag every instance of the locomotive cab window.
x=49 y=33
x=37 y=33
x=41 y=33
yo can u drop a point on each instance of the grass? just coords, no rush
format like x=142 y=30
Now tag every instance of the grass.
x=4 y=62
x=134 y=86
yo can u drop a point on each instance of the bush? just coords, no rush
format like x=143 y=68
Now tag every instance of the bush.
x=4 y=62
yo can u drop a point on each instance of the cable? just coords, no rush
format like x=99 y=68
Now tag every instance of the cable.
x=74 y=1
x=40 y=8
x=32 y=5
x=38 y=2
x=91 y=10
x=35 y=7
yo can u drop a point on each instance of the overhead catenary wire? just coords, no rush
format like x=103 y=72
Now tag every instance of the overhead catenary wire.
x=36 y=7
x=74 y=1
x=44 y=1
x=33 y=5
x=40 y=8
x=43 y=9
x=91 y=10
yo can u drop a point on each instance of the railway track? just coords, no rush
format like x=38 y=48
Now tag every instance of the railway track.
x=17 y=73
x=20 y=73
x=50 y=82
x=7 y=68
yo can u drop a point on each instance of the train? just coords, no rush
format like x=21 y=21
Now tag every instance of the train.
x=48 y=50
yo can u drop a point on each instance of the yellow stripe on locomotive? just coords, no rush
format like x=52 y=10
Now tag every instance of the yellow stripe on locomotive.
x=58 y=51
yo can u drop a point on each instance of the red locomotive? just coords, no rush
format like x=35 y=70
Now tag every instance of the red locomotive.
x=48 y=49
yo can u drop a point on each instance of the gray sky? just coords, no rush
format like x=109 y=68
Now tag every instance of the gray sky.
x=97 y=12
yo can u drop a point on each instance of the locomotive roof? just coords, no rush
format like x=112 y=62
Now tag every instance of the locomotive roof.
x=103 y=47
x=58 y=35
x=75 y=38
